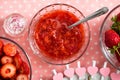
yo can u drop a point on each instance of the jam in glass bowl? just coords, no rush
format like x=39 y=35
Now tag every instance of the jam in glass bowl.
x=50 y=38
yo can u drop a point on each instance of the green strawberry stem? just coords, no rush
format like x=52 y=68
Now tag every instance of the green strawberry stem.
x=116 y=27
x=115 y=49
x=117 y=52
x=116 y=24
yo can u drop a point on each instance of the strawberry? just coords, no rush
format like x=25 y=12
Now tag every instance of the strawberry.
x=118 y=17
x=117 y=56
x=1 y=47
x=22 y=77
x=8 y=70
x=17 y=60
x=111 y=38
x=113 y=43
x=12 y=67
x=9 y=49
x=6 y=59
x=116 y=23
x=24 y=69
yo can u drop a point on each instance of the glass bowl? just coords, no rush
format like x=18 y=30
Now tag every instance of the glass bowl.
x=58 y=12
x=107 y=23
x=24 y=58
x=14 y=24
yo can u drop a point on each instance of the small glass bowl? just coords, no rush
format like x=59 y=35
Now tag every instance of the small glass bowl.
x=50 y=8
x=15 y=24
x=22 y=53
x=107 y=23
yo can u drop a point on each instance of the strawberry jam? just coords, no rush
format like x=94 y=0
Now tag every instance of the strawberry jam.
x=53 y=37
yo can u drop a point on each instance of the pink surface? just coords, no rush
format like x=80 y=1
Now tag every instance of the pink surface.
x=28 y=8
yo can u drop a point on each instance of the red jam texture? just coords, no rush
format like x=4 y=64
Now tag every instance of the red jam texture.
x=53 y=37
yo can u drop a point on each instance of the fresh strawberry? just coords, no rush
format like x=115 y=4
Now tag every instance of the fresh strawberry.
x=116 y=23
x=17 y=60
x=24 y=69
x=8 y=70
x=22 y=77
x=6 y=59
x=118 y=17
x=9 y=49
x=117 y=56
x=111 y=38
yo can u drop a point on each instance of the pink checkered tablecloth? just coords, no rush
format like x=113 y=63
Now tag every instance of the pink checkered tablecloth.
x=28 y=8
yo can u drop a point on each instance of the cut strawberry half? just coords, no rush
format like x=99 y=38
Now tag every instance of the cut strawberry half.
x=22 y=77
x=1 y=45
x=17 y=60
x=24 y=69
x=9 y=49
x=6 y=59
x=8 y=70
x=1 y=48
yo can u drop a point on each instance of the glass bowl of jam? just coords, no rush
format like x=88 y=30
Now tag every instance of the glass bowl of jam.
x=50 y=38
x=109 y=37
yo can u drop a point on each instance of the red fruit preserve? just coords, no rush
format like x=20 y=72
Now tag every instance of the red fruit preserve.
x=53 y=37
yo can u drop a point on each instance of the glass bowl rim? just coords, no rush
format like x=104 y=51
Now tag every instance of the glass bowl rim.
x=23 y=51
x=100 y=35
x=88 y=28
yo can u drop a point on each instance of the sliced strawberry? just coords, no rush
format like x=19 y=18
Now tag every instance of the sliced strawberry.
x=8 y=70
x=9 y=49
x=1 y=47
x=118 y=17
x=22 y=77
x=6 y=59
x=14 y=77
x=17 y=60
x=111 y=38
x=24 y=69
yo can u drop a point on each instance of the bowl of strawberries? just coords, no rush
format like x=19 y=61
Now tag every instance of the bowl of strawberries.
x=14 y=62
x=110 y=37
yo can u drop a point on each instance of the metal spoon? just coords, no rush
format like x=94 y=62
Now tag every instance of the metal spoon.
x=93 y=15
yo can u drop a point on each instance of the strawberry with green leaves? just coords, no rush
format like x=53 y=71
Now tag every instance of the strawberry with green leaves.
x=112 y=37
x=112 y=40
x=118 y=17
x=116 y=23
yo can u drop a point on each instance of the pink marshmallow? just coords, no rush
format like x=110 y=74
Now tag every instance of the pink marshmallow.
x=80 y=71
x=69 y=72
x=105 y=71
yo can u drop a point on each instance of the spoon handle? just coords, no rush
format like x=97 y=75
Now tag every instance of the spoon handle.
x=93 y=15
